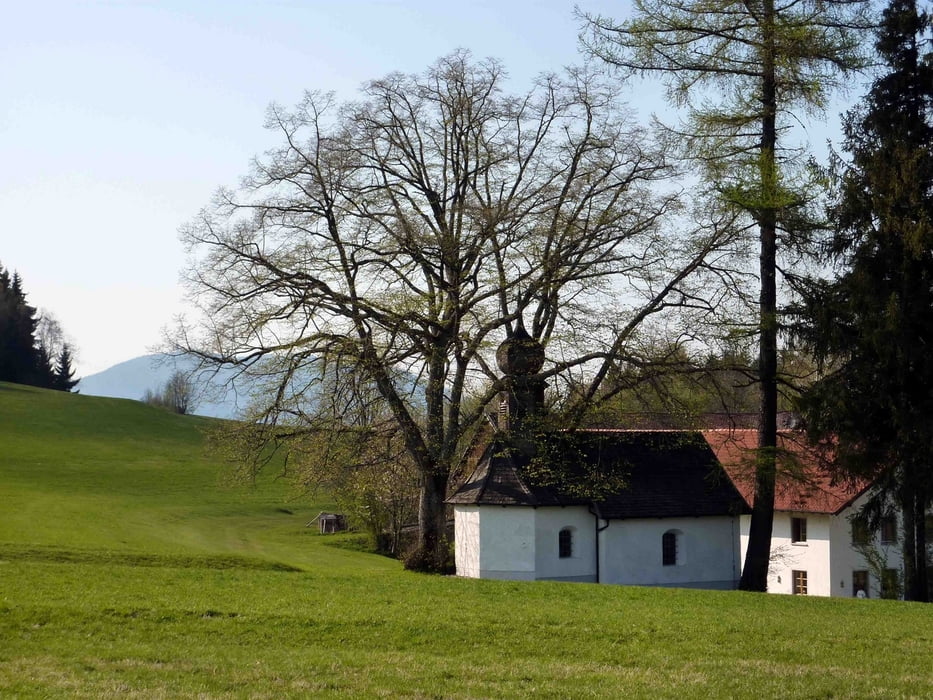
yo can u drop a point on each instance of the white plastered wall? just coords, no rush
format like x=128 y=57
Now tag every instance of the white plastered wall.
x=495 y=542
x=812 y=556
x=581 y=564
x=827 y=556
x=846 y=559
x=521 y=543
x=630 y=552
x=466 y=540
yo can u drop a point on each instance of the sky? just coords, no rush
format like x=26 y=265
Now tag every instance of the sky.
x=120 y=118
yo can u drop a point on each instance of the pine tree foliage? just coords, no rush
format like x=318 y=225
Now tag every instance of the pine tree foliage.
x=63 y=378
x=26 y=356
x=872 y=327
x=744 y=71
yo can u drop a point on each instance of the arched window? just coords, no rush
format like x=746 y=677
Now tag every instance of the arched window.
x=565 y=543
x=669 y=548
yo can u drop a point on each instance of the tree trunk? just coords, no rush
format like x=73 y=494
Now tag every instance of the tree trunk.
x=432 y=552
x=916 y=584
x=758 y=553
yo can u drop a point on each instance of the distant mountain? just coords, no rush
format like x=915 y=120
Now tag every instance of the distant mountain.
x=218 y=396
x=133 y=378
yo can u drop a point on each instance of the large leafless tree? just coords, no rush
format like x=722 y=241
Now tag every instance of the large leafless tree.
x=397 y=239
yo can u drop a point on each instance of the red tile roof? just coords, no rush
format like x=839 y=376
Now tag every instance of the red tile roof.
x=803 y=485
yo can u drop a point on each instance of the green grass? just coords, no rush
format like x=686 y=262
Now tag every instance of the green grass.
x=126 y=569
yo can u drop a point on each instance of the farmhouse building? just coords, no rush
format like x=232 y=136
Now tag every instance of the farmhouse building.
x=660 y=507
x=815 y=541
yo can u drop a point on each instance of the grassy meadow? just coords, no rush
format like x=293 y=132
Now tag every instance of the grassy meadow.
x=128 y=569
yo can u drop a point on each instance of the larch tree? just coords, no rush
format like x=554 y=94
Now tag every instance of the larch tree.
x=872 y=326
x=743 y=71
x=394 y=241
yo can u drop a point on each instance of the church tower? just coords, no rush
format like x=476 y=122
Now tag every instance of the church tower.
x=520 y=357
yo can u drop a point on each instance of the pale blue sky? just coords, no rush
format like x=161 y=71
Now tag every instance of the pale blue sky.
x=119 y=118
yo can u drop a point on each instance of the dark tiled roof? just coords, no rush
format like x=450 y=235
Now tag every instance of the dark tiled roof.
x=664 y=474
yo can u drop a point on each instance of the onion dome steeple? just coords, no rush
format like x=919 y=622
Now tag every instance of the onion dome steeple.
x=520 y=357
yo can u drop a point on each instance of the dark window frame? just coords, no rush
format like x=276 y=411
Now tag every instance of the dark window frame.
x=889 y=530
x=861 y=581
x=565 y=543
x=798 y=530
x=861 y=534
x=669 y=548
x=890 y=583
x=798 y=582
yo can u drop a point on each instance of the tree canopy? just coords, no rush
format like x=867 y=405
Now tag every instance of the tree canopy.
x=744 y=71
x=32 y=348
x=872 y=326
x=397 y=239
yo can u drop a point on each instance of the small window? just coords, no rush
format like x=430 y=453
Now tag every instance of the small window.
x=799 y=582
x=798 y=529
x=861 y=535
x=889 y=530
x=890 y=583
x=565 y=543
x=859 y=584
x=669 y=548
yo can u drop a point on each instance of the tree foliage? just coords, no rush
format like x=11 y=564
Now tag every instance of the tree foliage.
x=872 y=327
x=176 y=394
x=743 y=71
x=395 y=241
x=32 y=348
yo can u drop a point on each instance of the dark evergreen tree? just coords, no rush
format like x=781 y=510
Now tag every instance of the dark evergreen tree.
x=19 y=361
x=63 y=379
x=43 y=368
x=872 y=327
x=24 y=358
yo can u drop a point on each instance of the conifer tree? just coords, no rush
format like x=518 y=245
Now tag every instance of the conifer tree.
x=873 y=325
x=63 y=379
x=19 y=361
x=26 y=355
x=740 y=68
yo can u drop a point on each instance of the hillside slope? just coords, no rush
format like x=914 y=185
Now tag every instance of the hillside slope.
x=88 y=473
x=127 y=570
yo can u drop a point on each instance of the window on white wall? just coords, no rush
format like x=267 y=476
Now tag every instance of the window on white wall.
x=889 y=530
x=669 y=548
x=860 y=584
x=861 y=535
x=565 y=543
x=798 y=529
x=890 y=583
x=799 y=582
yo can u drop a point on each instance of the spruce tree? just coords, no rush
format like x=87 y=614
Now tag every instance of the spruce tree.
x=19 y=360
x=25 y=358
x=872 y=327
x=63 y=379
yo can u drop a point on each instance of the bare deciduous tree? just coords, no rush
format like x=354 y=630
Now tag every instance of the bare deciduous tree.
x=397 y=239
x=177 y=394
